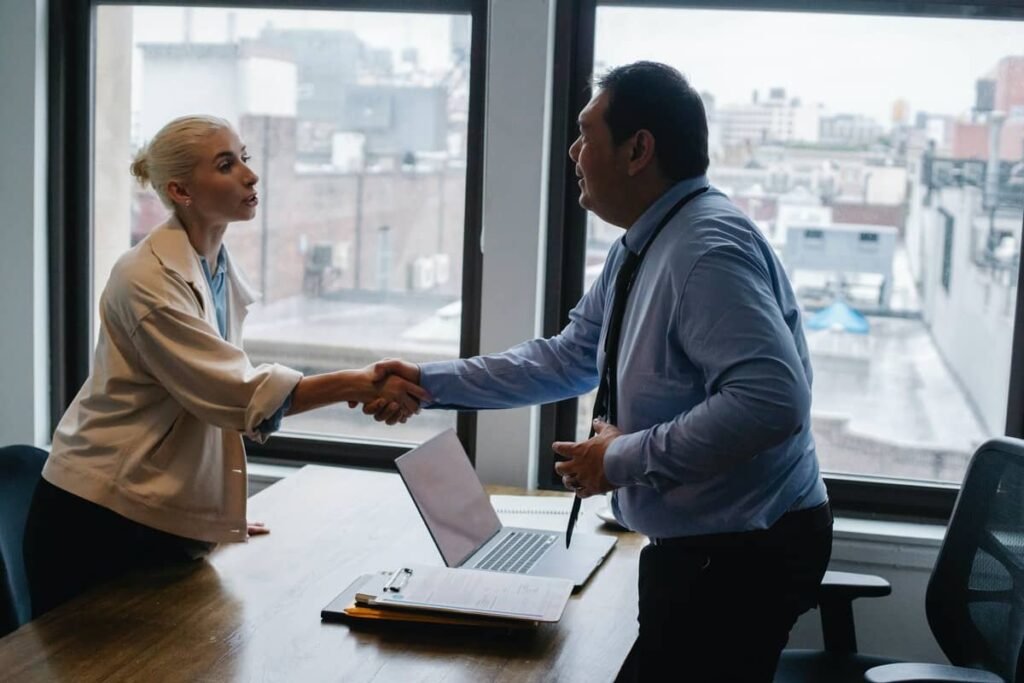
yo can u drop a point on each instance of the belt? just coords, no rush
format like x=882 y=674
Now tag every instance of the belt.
x=795 y=522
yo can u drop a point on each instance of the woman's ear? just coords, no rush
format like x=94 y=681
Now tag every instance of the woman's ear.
x=178 y=193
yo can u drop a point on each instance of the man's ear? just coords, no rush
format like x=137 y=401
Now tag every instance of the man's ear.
x=642 y=151
x=178 y=193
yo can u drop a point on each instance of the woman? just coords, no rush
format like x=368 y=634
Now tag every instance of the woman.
x=147 y=465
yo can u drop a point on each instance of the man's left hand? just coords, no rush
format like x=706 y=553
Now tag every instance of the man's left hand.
x=583 y=472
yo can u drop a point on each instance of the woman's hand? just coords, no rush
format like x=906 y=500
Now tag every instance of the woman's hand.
x=396 y=399
x=367 y=385
x=257 y=529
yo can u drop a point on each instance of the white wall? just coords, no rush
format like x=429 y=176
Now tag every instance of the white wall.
x=268 y=86
x=972 y=323
x=183 y=85
x=515 y=211
x=112 y=195
x=24 y=410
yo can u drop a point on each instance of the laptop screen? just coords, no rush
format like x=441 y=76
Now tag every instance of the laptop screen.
x=450 y=497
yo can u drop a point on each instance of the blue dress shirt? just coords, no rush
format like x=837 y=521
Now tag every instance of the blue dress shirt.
x=714 y=379
x=218 y=288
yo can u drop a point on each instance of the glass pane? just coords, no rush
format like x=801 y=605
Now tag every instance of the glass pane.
x=357 y=127
x=889 y=177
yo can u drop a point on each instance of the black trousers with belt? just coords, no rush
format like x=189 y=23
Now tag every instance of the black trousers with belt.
x=72 y=544
x=720 y=607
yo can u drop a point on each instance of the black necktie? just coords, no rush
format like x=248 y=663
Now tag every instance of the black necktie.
x=607 y=390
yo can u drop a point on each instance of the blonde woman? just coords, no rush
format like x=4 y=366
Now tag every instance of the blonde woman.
x=148 y=464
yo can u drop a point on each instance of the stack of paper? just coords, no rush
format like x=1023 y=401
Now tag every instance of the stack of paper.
x=452 y=596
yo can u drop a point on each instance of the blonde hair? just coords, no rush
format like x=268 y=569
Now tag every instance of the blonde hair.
x=171 y=154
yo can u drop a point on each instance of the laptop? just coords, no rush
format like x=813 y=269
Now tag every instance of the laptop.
x=466 y=529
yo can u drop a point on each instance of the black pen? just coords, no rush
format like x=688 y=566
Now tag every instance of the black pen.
x=573 y=514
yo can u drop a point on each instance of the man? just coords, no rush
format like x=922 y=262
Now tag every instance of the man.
x=710 y=452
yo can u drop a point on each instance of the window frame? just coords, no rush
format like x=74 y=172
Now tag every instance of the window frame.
x=71 y=118
x=861 y=496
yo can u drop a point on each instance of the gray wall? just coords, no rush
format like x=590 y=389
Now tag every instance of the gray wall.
x=23 y=342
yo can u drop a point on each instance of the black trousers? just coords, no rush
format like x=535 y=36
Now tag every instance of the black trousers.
x=72 y=544
x=720 y=607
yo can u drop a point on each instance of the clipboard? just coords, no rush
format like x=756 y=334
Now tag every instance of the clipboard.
x=470 y=592
x=451 y=593
x=345 y=608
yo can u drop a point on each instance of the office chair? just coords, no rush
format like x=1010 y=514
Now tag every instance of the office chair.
x=20 y=469
x=975 y=596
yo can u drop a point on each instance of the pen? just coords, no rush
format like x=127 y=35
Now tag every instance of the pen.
x=572 y=519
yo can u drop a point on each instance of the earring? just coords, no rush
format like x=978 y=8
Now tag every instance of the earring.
x=188 y=202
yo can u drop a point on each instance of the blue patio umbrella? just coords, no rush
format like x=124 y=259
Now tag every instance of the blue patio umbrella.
x=839 y=316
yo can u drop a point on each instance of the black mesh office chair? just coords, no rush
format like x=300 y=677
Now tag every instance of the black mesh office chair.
x=975 y=596
x=20 y=468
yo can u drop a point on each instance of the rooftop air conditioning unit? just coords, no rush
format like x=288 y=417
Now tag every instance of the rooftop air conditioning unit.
x=423 y=273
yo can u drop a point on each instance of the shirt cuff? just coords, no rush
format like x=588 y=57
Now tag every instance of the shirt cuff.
x=278 y=386
x=436 y=377
x=273 y=423
x=623 y=461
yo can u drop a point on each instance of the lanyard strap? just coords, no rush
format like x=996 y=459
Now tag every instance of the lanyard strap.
x=605 y=405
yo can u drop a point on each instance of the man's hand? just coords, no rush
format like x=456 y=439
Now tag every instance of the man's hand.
x=393 y=370
x=583 y=472
x=391 y=397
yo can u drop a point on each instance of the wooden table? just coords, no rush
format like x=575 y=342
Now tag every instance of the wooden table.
x=251 y=612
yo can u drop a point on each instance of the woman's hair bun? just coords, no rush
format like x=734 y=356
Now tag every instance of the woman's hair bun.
x=140 y=166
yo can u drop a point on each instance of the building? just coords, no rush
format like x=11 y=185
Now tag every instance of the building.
x=770 y=120
x=849 y=130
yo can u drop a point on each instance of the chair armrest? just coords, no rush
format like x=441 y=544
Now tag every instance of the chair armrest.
x=836 y=594
x=928 y=673
x=848 y=586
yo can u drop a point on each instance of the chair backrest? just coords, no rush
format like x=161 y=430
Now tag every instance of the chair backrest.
x=975 y=597
x=20 y=468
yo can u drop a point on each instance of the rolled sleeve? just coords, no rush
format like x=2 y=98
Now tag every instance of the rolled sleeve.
x=211 y=378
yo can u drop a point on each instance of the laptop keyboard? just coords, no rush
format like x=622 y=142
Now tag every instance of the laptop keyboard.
x=517 y=552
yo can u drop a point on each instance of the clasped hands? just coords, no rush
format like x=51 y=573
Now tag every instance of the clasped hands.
x=582 y=471
x=394 y=392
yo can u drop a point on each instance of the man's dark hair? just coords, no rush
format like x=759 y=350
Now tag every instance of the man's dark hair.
x=658 y=98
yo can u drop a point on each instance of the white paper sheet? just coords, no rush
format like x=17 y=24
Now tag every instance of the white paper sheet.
x=468 y=591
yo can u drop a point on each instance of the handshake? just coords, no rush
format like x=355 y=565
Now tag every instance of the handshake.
x=391 y=391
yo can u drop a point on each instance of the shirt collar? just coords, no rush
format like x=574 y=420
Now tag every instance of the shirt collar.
x=219 y=269
x=640 y=232
x=170 y=245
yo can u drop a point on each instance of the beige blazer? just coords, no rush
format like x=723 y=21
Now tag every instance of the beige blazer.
x=155 y=434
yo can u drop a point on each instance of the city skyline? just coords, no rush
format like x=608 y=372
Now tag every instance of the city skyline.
x=428 y=34
x=731 y=53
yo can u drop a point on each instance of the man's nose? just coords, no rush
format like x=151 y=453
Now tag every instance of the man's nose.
x=573 y=150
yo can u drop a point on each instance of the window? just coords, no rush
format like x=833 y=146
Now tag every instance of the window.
x=363 y=128
x=948 y=226
x=849 y=140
